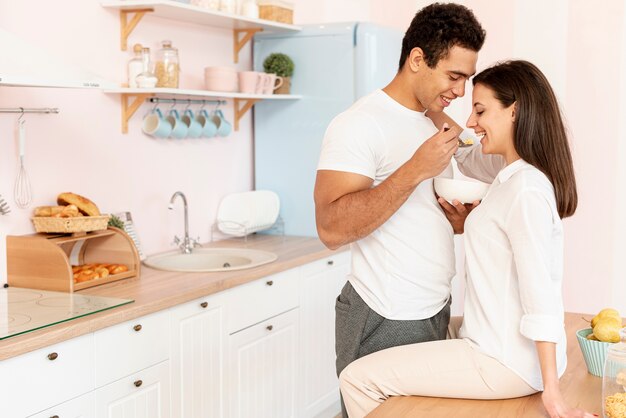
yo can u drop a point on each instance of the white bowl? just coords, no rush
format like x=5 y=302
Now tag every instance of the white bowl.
x=465 y=191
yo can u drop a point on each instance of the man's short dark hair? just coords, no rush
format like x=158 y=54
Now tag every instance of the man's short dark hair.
x=437 y=28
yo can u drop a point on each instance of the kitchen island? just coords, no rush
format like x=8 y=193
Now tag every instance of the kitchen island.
x=580 y=389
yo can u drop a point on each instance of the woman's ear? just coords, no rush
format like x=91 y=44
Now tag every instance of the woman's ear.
x=513 y=111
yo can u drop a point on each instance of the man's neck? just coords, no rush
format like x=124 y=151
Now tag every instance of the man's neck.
x=400 y=90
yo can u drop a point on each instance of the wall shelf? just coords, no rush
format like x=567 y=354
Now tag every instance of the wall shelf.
x=175 y=10
x=132 y=99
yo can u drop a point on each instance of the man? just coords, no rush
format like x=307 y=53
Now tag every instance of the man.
x=374 y=190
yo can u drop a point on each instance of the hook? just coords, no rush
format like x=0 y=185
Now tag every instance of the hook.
x=20 y=120
x=156 y=104
x=174 y=104
x=188 y=104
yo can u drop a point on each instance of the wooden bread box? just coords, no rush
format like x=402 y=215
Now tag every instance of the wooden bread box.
x=42 y=261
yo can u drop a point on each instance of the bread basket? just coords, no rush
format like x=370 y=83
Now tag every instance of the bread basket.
x=70 y=225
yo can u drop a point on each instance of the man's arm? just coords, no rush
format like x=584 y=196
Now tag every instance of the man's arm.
x=348 y=208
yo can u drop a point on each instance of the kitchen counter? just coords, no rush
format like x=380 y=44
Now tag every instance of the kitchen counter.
x=580 y=389
x=155 y=290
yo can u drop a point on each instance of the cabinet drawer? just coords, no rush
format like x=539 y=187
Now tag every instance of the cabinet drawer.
x=145 y=393
x=81 y=407
x=326 y=264
x=253 y=302
x=46 y=377
x=134 y=345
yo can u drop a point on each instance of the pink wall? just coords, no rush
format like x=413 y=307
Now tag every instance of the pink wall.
x=580 y=46
x=82 y=148
x=582 y=49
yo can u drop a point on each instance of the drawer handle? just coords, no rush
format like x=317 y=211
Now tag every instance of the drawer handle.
x=269 y=327
x=204 y=304
x=137 y=383
x=330 y=262
x=137 y=327
x=52 y=356
x=54 y=416
x=269 y=282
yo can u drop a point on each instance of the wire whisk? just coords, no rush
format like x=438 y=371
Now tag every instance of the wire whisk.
x=22 y=192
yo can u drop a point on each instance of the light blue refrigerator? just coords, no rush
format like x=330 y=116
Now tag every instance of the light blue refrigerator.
x=335 y=64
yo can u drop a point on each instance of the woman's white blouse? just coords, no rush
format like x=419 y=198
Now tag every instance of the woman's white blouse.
x=514 y=266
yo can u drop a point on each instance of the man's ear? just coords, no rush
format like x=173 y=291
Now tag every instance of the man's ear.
x=416 y=59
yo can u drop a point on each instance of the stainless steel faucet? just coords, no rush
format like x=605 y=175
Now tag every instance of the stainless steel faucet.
x=187 y=244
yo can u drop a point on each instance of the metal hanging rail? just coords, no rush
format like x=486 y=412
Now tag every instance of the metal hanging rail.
x=30 y=110
x=186 y=101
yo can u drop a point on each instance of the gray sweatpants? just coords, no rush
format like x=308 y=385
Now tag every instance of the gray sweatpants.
x=360 y=331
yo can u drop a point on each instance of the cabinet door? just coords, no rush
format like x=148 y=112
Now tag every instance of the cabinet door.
x=81 y=407
x=35 y=381
x=262 y=369
x=197 y=360
x=145 y=394
x=321 y=282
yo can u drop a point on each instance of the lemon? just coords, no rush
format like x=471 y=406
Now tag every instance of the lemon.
x=607 y=330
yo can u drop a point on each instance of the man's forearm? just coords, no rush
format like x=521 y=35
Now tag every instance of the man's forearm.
x=356 y=215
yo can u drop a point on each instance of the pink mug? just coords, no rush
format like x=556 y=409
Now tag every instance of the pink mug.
x=249 y=81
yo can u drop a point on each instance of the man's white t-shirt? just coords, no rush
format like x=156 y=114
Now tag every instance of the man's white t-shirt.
x=403 y=269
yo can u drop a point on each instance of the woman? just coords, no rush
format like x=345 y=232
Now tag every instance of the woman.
x=512 y=342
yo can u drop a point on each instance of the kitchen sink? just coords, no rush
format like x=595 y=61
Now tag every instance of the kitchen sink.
x=211 y=259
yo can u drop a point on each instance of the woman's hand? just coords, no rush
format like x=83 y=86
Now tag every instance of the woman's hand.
x=557 y=408
x=456 y=213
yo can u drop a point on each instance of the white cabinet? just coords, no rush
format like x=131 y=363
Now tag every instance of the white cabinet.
x=145 y=394
x=81 y=407
x=262 y=369
x=262 y=349
x=197 y=343
x=49 y=376
x=131 y=346
x=320 y=284
x=261 y=299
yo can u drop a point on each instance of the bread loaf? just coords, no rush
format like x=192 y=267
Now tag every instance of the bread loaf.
x=83 y=204
x=68 y=211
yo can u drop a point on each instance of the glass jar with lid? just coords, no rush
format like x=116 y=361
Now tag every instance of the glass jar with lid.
x=614 y=379
x=167 y=68
x=146 y=79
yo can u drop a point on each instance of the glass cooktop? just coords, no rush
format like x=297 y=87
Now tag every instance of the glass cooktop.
x=23 y=310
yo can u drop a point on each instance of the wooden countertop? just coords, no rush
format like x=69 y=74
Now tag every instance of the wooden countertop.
x=580 y=389
x=156 y=290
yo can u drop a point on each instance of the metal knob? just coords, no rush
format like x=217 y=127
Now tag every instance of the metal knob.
x=330 y=262
x=54 y=416
x=269 y=282
x=270 y=327
x=204 y=304
x=52 y=356
x=137 y=327
x=137 y=383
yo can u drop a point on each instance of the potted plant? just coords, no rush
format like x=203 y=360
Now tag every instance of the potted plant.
x=281 y=65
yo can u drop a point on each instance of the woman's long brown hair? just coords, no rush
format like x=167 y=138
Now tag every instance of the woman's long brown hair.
x=539 y=135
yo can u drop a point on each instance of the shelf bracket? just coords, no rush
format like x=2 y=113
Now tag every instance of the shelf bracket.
x=126 y=27
x=240 y=43
x=129 y=109
x=241 y=111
